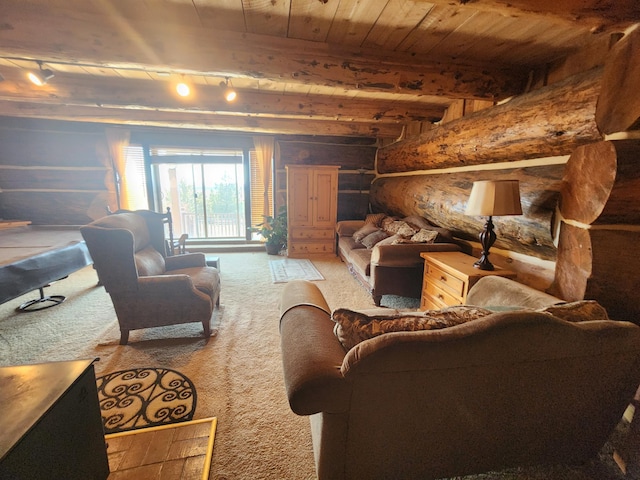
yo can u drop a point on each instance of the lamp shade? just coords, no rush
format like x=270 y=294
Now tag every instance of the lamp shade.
x=494 y=198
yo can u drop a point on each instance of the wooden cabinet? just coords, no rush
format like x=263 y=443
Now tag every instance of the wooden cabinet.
x=51 y=423
x=448 y=276
x=312 y=206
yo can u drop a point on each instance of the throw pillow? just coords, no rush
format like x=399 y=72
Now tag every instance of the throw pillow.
x=386 y=221
x=353 y=327
x=370 y=240
x=365 y=230
x=375 y=218
x=578 y=311
x=425 y=236
x=401 y=228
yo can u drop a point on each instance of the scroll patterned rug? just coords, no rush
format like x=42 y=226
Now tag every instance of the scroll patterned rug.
x=287 y=269
x=145 y=397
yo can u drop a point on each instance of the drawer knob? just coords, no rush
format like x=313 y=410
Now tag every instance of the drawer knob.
x=440 y=296
x=443 y=278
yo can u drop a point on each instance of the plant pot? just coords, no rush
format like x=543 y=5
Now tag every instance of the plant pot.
x=272 y=248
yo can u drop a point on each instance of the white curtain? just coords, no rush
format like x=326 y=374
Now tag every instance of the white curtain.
x=264 y=153
x=118 y=141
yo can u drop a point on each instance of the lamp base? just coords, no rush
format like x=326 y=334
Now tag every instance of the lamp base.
x=484 y=264
x=487 y=238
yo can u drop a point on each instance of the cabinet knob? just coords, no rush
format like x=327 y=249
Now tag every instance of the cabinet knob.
x=443 y=279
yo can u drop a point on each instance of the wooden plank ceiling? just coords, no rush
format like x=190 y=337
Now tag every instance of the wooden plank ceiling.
x=330 y=67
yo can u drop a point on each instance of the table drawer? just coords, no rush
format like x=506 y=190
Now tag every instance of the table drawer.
x=313 y=233
x=446 y=281
x=311 y=247
x=430 y=303
x=440 y=295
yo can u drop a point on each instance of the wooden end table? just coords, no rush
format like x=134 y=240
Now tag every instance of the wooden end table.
x=448 y=276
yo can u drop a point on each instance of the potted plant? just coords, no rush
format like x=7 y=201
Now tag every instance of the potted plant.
x=274 y=231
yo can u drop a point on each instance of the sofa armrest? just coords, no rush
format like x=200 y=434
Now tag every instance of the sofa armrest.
x=346 y=228
x=311 y=360
x=406 y=254
x=186 y=260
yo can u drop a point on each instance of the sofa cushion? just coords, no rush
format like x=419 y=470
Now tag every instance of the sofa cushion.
x=366 y=229
x=578 y=311
x=392 y=240
x=370 y=240
x=360 y=259
x=417 y=221
x=353 y=327
x=149 y=262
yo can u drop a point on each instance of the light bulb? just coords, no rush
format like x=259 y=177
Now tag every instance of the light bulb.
x=183 y=89
x=230 y=95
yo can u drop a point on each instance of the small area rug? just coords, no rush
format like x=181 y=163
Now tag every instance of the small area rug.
x=287 y=269
x=145 y=397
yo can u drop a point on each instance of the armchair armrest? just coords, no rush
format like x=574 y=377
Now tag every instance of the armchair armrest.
x=406 y=254
x=186 y=260
x=311 y=360
x=167 y=285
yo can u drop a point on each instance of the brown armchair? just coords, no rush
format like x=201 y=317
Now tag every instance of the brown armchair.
x=147 y=287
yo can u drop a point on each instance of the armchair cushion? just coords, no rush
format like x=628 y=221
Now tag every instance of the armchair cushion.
x=204 y=279
x=149 y=262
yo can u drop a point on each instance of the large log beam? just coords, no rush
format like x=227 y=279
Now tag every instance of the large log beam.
x=197 y=120
x=229 y=54
x=618 y=107
x=115 y=92
x=602 y=265
x=601 y=184
x=442 y=200
x=547 y=122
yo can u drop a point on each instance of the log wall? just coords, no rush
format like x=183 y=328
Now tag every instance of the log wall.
x=52 y=173
x=56 y=173
x=354 y=156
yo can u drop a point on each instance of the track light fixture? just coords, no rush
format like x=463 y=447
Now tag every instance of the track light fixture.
x=229 y=93
x=41 y=76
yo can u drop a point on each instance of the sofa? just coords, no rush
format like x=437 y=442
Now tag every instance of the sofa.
x=147 y=287
x=519 y=386
x=383 y=252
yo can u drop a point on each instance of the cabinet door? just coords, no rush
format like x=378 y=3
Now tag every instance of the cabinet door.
x=299 y=197
x=325 y=206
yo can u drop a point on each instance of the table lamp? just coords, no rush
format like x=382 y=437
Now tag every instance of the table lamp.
x=492 y=198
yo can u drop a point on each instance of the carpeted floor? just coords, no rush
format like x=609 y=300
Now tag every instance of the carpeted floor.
x=236 y=372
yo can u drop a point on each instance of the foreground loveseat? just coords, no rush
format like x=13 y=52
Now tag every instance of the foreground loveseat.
x=516 y=387
x=383 y=252
x=148 y=288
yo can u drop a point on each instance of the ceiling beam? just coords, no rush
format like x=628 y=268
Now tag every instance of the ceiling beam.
x=598 y=15
x=115 y=92
x=118 y=43
x=196 y=120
